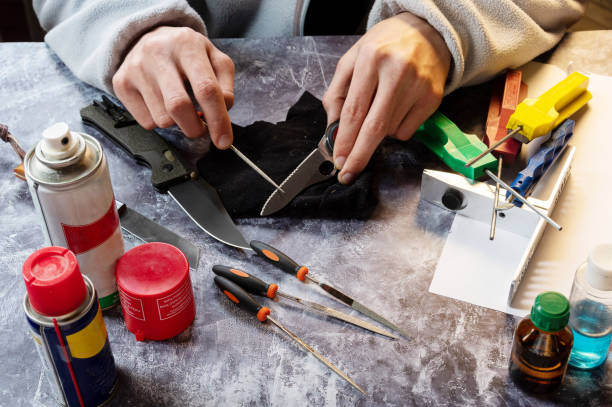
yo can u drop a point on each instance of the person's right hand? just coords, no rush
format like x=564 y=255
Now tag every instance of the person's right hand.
x=151 y=83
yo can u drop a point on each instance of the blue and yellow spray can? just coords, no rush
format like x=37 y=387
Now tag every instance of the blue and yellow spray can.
x=65 y=321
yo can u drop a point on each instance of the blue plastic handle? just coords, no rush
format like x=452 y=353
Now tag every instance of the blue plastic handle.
x=542 y=160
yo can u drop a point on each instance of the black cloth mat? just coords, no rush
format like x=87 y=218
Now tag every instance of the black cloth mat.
x=278 y=149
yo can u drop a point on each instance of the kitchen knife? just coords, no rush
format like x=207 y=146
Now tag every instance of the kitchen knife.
x=149 y=231
x=169 y=171
x=317 y=166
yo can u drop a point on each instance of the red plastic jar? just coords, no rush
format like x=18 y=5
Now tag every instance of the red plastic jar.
x=155 y=291
x=53 y=281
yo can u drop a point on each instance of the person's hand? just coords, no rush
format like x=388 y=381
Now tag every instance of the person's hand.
x=151 y=83
x=387 y=84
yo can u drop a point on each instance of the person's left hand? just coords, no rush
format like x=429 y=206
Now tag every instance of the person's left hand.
x=387 y=84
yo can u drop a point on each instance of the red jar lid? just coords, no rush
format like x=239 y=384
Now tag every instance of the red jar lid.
x=54 y=282
x=151 y=269
x=155 y=291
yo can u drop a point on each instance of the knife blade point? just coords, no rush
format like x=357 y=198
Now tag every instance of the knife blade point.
x=304 y=175
x=199 y=200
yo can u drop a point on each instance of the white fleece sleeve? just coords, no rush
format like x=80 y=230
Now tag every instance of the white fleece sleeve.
x=486 y=36
x=92 y=36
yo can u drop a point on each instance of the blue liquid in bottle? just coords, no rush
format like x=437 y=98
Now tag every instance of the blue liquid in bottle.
x=591 y=309
x=589 y=351
x=592 y=334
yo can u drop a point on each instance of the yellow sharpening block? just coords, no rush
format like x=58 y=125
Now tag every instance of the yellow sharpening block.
x=539 y=116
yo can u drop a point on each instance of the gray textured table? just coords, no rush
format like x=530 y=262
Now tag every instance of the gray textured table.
x=458 y=353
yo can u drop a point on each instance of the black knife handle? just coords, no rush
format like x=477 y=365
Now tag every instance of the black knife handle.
x=249 y=282
x=146 y=146
x=279 y=259
x=241 y=298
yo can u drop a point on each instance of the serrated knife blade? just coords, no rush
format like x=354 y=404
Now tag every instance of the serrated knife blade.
x=316 y=167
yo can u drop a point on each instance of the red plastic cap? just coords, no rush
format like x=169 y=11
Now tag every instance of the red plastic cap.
x=54 y=282
x=151 y=270
x=155 y=291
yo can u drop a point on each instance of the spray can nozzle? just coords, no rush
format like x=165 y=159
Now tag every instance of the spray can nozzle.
x=59 y=143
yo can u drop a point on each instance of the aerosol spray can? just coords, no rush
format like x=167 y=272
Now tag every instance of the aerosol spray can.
x=65 y=321
x=70 y=185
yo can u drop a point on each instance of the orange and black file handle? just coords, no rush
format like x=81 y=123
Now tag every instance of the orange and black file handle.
x=279 y=259
x=248 y=282
x=241 y=298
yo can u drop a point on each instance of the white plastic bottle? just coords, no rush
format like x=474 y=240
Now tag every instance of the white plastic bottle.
x=591 y=309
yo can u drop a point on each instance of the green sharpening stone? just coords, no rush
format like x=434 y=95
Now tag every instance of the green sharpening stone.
x=454 y=147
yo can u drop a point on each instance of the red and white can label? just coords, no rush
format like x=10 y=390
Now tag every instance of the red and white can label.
x=132 y=306
x=83 y=238
x=175 y=302
x=82 y=216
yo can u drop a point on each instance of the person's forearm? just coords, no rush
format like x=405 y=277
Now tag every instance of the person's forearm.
x=92 y=37
x=484 y=36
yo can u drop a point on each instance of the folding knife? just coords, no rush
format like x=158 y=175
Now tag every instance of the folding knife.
x=317 y=166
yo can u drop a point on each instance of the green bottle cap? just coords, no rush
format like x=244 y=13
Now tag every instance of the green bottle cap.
x=550 y=311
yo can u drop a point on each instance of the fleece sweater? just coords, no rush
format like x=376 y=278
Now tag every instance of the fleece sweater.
x=483 y=36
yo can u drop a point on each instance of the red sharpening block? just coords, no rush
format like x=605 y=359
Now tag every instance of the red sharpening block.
x=506 y=95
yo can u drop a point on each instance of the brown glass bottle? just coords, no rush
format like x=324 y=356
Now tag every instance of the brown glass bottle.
x=542 y=345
